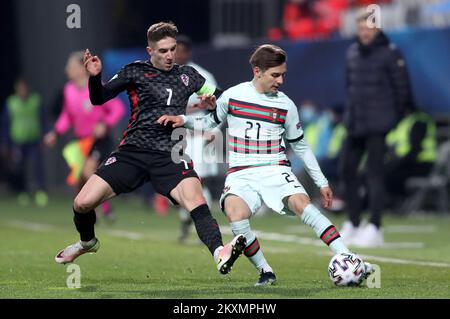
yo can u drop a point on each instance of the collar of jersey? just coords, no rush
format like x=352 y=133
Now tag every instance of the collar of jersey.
x=269 y=95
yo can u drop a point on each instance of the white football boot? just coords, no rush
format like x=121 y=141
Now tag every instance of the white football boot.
x=229 y=253
x=70 y=253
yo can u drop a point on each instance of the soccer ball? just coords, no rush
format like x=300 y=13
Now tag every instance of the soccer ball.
x=346 y=269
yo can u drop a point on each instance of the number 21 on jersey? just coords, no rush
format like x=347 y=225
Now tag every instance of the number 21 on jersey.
x=250 y=128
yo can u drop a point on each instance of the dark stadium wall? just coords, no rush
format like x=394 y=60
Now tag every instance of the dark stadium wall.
x=9 y=54
x=45 y=41
x=132 y=18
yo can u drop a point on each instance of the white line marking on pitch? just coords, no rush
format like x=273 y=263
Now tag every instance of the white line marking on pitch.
x=309 y=241
x=391 y=260
x=414 y=229
x=226 y=230
x=263 y=235
x=125 y=234
x=390 y=229
x=46 y=228
x=319 y=243
x=406 y=261
x=31 y=226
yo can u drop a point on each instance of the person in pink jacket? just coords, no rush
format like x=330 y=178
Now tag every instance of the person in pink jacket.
x=91 y=124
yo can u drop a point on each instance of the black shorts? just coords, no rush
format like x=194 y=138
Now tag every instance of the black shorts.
x=101 y=149
x=129 y=167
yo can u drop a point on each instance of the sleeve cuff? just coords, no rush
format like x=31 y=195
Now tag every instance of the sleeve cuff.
x=295 y=139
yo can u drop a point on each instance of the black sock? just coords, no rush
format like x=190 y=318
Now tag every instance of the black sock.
x=85 y=224
x=207 y=228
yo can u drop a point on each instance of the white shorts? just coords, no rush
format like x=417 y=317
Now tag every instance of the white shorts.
x=268 y=184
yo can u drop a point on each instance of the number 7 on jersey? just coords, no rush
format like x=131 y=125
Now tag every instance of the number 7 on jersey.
x=169 y=99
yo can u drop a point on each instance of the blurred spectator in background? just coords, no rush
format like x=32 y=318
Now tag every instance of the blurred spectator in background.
x=324 y=133
x=412 y=151
x=378 y=93
x=92 y=127
x=184 y=57
x=314 y=19
x=309 y=115
x=205 y=170
x=317 y=130
x=365 y=3
x=330 y=162
x=309 y=19
x=299 y=19
x=22 y=129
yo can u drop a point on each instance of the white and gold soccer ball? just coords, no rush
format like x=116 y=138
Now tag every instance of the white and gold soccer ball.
x=346 y=269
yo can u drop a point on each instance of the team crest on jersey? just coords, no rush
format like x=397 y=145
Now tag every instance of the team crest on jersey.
x=274 y=115
x=110 y=160
x=185 y=79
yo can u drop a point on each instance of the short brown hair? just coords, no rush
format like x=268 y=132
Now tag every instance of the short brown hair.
x=267 y=56
x=159 y=31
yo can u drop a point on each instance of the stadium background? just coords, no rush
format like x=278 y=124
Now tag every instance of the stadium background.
x=36 y=43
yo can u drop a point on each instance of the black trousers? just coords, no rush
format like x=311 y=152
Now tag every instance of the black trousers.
x=354 y=149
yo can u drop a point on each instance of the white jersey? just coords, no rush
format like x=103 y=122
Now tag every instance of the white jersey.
x=197 y=142
x=259 y=124
x=193 y=99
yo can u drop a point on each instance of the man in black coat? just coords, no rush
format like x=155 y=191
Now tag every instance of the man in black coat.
x=378 y=91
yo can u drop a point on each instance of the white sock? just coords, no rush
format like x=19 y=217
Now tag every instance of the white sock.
x=324 y=229
x=253 y=251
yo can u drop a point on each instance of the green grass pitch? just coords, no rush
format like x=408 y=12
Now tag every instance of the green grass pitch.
x=140 y=257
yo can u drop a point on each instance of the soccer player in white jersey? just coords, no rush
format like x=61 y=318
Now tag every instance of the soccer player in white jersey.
x=260 y=120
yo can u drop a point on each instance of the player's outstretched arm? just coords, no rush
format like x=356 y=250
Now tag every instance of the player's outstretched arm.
x=302 y=149
x=99 y=93
x=192 y=122
x=93 y=64
x=206 y=102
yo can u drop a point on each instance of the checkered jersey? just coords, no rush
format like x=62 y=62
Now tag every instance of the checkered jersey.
x=152 y=93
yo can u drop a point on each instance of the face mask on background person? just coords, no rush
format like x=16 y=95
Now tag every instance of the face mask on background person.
x=307 y=114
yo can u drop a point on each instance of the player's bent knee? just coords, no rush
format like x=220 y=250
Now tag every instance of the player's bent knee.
x=299 y=203
x=198 y=201
x=82 y=204
x=235 y=210
x=235 y=215
x=192 y=203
